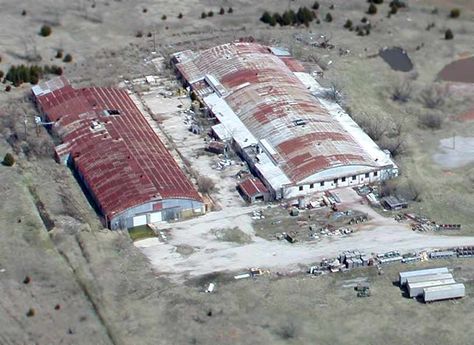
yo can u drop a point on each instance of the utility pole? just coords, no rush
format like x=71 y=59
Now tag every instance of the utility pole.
x=454 y=140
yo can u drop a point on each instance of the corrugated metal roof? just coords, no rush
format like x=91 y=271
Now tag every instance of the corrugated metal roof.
x=252 y=186
x=120 y=157
x=273 y=104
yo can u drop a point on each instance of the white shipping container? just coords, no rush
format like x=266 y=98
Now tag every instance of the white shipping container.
x=428 y=277
x=404 y=275
x=416 y=289
x=438 y=293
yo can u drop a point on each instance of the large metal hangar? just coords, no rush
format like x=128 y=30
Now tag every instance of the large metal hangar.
x=127 y=170
x=294 y=140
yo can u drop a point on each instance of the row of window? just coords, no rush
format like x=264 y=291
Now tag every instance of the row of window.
x=343 y=179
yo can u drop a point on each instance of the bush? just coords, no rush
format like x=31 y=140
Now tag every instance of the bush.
x=139 y=34
x=45 y=30
x=372 y=9
x=1 y=74
x=31 y=312
x=8 y=160
x=145 y=10
x=163 y=17
x=230 y=10
x=401 y=92
x=180 y=15
x=210 y=13
x=433 y=97
x=455 y=13
x=203 y=15
x=222 y=11
x=378 y=2
x=205 y=184
x=315 y=5
x=328 y=17
x=431 y=121
x=68 y=57
x=23 y=13
x=448 y=35
x=266 y=17
x=59 y=54
x=8 y=88
x=348 y=24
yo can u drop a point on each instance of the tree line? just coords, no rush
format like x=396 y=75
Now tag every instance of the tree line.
x=30 y=74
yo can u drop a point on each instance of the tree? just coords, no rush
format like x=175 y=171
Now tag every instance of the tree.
x=59 y=54
x=455 y=13
x=328 y=17
x=222 y=11
x=276 y=19
x=210 y=13
x=1 y=74
x=378 y=2
x=289 y=18
x=348 y=24
x=372 y=9
x=315 y=5
x=163 y=17
x=180 y=15
x=230 y=10
x=266 y=17
x=203 y=15
x=68 y=57
x=448 y=35
x=45 y=30
x=205 y=184
x=8 y=160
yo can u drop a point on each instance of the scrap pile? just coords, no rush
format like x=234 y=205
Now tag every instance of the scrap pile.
x=423 y=224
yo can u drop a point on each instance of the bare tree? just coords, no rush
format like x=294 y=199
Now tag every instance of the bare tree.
x=205 y=184
x=433 y=97
x=395 y=145
x=401 y=91
x=430 y=120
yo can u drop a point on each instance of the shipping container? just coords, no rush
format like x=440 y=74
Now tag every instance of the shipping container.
x=416 y=289
x=404 y=275
x=439 y=293
x=429 y=277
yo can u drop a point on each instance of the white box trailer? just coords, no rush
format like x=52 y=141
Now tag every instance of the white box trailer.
x=438 y=293
x=429 y=277
x=404 y=275
x=416 y=289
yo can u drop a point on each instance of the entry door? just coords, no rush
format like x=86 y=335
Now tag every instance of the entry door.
x=155 y=217
x=139 y=220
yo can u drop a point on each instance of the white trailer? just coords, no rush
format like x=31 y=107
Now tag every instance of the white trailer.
x=404 y=275
x=416 y=289
x=438 y=293
x=429 y=277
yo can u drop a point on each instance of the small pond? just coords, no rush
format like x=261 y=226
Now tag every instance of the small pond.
x=397 y=58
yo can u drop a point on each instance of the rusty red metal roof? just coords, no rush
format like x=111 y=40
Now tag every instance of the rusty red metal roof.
x=252 y=186
x=119 y=156
x=263 y=90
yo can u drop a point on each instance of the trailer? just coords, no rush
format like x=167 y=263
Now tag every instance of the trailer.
x=429 y=277
x=416 y=289
x=404 y=275
x=439 y=293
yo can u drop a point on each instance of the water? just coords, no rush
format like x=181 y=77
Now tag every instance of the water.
x=397 y=58
x=459 y=71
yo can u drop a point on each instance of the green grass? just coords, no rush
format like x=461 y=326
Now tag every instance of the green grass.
x=140 y=232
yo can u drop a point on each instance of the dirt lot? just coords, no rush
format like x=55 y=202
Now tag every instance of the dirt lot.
x=106 y=289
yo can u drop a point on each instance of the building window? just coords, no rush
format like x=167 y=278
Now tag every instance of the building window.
x=354 y=177
x=376 y=173
x=367 y=175
x=343 y=179
x=322 y=184
x=301 y=188
x=335 y=181
x=311 y=185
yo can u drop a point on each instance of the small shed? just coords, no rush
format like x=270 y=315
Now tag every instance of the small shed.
x=394 y=203
x=252 y=190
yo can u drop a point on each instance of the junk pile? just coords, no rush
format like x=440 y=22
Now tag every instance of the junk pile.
x=423 y=224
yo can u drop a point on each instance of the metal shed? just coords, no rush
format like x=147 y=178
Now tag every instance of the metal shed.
x=416 y=289
x=439 y=293
x=429 y=277
x=404 y=275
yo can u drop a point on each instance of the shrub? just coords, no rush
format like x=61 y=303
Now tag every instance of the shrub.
x=210 y=13
x=23 y=13
x=230 y=10
x=203 y=15
x=328 y=17
x=315 y=5
x=8 y=160
x=378 y=2
x=45 y=30
x=266 y=17
x=8 y=88
x=1 y=74
x=448 y=35
x=348 y=24
x=68 y=57
x=205 y=184
x=401 y=92
x=364 y=20
x=455 y=13
x=433 y=97
x=431 y=121
x=222 y=11
x=27 y=280
x=393 y=10
x=163 y=17
x=145 y=10
x=372 y=9
x=180 y=15
x=31 y=312
x=139 y=34
x=59 y=54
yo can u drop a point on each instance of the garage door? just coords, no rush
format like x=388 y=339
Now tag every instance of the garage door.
x=139 y=220
x=155 y=217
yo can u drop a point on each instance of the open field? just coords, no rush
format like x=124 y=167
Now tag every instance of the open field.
x=108 y=292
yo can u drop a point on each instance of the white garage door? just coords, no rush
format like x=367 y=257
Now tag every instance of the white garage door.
x=155 y=217
x=139 y=220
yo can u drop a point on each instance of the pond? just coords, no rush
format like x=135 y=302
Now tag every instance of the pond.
x=459 y=71
x=397 y=58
